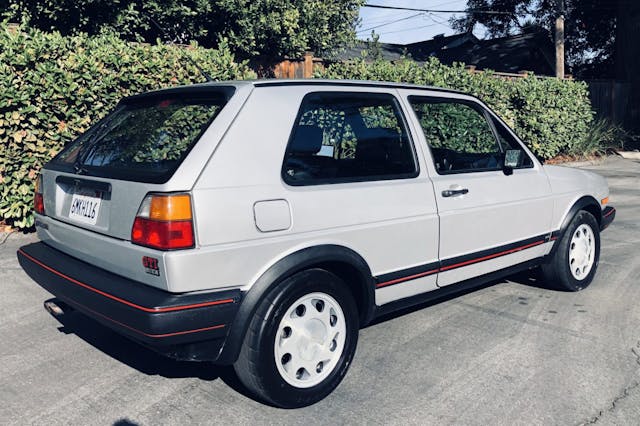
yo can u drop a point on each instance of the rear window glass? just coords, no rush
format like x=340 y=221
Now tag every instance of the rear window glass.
x=144 y=139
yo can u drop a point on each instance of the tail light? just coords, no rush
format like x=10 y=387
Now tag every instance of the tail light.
x=164 y=222
x=38 y=199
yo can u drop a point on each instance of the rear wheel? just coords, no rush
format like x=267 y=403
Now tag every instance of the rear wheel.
x=301 y=340
x=575 y=261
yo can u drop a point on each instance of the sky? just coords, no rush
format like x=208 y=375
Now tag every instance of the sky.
x=411 y=26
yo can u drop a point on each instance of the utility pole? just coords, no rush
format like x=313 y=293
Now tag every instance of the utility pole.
x=559 y=39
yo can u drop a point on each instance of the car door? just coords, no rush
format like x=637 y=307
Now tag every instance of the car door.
x=491 y=217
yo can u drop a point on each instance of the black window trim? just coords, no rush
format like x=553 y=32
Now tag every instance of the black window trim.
x=336 y=181
x=487 y=114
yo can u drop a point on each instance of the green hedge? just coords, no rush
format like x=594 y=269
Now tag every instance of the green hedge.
x=550 y=115
x=52 y=88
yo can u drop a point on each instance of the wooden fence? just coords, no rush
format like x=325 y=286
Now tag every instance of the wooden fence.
x=609 y=99
x=298 y=68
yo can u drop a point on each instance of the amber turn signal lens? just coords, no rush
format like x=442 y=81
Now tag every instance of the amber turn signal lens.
x=170 y=207
x=604 y=201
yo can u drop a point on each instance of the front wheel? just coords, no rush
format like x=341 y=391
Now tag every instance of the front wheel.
x=574 y=263
x=301 y=340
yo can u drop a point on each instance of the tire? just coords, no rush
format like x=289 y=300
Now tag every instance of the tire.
x=574 y=263
x=308 y=322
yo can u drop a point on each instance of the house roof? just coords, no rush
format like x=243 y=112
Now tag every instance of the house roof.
x=529 y=51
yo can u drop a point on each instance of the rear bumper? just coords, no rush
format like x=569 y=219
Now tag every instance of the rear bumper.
x=190 y=326
x=608 y=214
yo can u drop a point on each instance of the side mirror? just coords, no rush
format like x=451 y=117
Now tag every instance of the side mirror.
x=512 y=160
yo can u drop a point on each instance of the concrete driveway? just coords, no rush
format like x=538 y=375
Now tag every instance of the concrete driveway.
x=510 y=353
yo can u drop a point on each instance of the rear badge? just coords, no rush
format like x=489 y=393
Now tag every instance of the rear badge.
x=151 y=265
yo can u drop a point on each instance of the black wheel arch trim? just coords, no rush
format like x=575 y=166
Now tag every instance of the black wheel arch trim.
x=311 y=257
x=580 y=204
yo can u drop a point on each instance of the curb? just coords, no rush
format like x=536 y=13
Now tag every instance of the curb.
x=585 y=163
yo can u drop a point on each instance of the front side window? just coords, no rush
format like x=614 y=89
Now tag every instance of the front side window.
x=508 y=142
x=460 y=136
x=346 y=137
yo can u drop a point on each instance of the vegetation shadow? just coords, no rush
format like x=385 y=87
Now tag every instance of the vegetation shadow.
x=130 y=353
x=144 y=359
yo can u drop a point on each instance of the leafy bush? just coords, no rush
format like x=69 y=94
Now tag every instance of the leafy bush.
x=550 y=115
x=53 y=88
x=601 y=135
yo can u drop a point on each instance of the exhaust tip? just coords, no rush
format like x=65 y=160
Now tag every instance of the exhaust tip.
x=53 y=307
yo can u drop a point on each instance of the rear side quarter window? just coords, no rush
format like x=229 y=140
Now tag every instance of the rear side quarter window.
x=343 y=137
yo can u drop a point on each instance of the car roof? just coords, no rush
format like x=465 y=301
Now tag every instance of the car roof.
x=292 y=82
x=358 y=83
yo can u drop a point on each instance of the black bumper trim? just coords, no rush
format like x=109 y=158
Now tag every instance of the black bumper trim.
x=608 y=214
x=165 y=318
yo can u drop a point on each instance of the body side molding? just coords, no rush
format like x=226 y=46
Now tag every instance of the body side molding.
x=404 y=275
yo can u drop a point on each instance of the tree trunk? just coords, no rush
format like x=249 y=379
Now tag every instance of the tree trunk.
x=559 y=39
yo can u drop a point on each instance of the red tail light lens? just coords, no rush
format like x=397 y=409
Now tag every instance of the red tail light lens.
x=38 y=199
x=162 y=235
x=164 y=222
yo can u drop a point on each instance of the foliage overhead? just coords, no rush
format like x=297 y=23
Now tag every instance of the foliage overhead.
x=262 y=28
x=54 y=88
x=590 y=26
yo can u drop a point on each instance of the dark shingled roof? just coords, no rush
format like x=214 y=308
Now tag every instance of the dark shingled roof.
x=530 y=51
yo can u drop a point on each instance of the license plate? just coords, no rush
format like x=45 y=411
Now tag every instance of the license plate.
x=85 y=206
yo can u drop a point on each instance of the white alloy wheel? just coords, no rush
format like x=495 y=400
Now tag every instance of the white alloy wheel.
x=581 y=252
x=310 y=340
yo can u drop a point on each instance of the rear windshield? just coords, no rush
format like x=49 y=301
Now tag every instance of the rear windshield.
x=145 y=139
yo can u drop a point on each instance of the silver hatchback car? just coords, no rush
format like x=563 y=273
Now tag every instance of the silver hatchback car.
x=262 y=223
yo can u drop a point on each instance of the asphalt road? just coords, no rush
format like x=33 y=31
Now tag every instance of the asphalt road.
x=510 y=353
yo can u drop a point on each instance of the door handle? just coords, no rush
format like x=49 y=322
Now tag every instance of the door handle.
x=454 y=192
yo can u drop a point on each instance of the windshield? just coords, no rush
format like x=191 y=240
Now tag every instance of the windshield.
x=144 y=139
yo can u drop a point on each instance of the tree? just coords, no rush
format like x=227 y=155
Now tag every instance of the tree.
x=590 y=27
x=253 y=28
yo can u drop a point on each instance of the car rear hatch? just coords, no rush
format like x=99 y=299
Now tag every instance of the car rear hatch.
x=152 y=143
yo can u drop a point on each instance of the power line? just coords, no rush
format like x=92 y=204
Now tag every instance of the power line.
x=389 y=23
x=409 y=29
x=433 y=18
x=381 y=20
x=472 y=11
x=445 y=3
